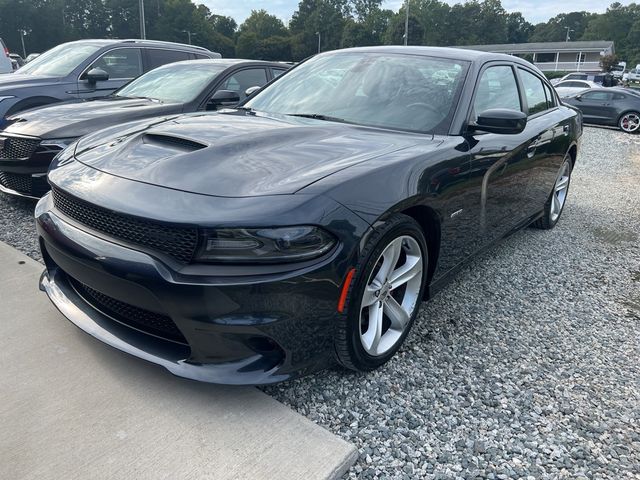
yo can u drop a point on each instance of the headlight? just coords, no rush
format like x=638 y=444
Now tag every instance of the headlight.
x=264 y=245
x=64 y=156
x=6 y=97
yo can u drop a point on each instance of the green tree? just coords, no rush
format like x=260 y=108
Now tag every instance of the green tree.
x=555 y=29
x=263 y=25
x=324 y=17
x=518 y=29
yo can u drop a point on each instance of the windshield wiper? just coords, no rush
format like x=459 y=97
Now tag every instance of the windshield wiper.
x=318 y=116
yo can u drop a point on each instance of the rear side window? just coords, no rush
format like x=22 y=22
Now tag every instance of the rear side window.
x=534 y=92
x=497 y=89
x=240 y=81
x=199 y=56
x=277 y=72
x=551 y=98
x=121 y=63
x=157 y=57
x=618 y=96
x=597 y=96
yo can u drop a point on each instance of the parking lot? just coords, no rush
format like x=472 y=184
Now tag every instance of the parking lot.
x=526 y=366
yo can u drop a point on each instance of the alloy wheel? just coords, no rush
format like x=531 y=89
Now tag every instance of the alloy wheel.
x=560 y=190
x=630 y=122
x=391 y=295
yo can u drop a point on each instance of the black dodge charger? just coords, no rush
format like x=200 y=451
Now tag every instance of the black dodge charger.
x=304 y=228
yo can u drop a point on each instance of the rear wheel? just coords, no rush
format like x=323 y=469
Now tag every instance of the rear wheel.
x=385 y=295
x=630 y=122
x=555 y=204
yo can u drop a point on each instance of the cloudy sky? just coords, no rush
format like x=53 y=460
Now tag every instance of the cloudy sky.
x=533 y=10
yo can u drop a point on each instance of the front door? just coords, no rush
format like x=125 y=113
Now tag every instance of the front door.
x=597 y=106
x=121 y=64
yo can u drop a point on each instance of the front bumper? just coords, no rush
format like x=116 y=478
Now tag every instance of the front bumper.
x=236 y=329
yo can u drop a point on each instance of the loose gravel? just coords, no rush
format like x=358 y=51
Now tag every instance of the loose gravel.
x=526 y=366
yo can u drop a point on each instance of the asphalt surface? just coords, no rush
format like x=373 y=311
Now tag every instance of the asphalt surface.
x=526 y=366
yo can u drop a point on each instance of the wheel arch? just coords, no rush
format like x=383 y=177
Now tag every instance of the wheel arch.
x=429 y=222
x=31 y=102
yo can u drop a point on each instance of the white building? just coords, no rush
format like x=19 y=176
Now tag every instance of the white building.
x=556 y=56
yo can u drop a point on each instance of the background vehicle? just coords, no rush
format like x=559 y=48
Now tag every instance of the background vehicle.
x=632 y=75
x=32 y=138
x=5 y=62
x=304 y=227
x=596 y=77
x=619 y=70
x=31 y=56
x=16 y=60
x=87 y=69
x=571 y=87
x=618 y=107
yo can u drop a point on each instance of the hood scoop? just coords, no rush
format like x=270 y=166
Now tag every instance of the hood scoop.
x=176 y=143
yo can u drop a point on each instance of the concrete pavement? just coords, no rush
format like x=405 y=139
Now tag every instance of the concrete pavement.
x=73 y=408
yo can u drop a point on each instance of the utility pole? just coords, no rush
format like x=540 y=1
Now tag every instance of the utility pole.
x=319 y=37
x=24 y=50
x=569 y=29
x=143 y=33
x=189 y=34
x=406 y=22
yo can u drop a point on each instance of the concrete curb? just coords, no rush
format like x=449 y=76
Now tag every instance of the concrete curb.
x=74 y=408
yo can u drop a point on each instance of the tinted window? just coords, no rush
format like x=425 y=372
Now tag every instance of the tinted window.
x=200 y=56
x=534 y=92
x=240 y=81
x=157 y=57
x=497 y=89
x=277 y=72
x=597 y=96
x=61 y=60
x=120 y=63
x=618 y=96
x=545 y=57
x=406 y=92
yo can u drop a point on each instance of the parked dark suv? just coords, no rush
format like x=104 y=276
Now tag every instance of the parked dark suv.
x=87 y=69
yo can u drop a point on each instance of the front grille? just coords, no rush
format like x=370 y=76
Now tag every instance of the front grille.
x=17 y=182
x=14 y=148
x=177 y=242
x=144 y=320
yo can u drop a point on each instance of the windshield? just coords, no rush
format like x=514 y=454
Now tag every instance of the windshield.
x=618 y=68
x=181 y=82
x=60 y=61
x=406 y=92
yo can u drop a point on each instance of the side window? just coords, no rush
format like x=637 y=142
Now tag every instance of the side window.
x=598 y=96
x=277 y=72
x=240 y=81
x=497 y=89
x=157 y=57
x=199 y=56
x=121 y=63
x=618 y=96
x=551 y=98
x=534 y=92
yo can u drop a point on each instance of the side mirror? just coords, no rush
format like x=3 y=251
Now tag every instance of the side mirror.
x=96 y=75
x=251 y=90
x=578 y=97
x=223 y=98
x=500 y=120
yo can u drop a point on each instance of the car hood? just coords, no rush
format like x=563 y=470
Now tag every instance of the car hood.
x=8 y=83
x=75 y=119
x=236 y=155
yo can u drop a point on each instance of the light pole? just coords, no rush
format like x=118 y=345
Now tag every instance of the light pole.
x=189 y=34
x=143 y=33
x=24 y=50
x=319 y=37
x=406 y=22
x=569 y=29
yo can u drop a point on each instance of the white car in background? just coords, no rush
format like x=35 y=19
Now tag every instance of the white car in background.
x=6 y=65
x=571 y=87
x=632 y=75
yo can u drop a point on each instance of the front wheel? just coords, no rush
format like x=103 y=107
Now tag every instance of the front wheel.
x=630 y=122
x=555 y=203
x=385 y=296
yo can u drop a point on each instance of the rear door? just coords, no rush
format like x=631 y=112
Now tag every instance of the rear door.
x=549 y=129
x=122 y=65
x=156 y=57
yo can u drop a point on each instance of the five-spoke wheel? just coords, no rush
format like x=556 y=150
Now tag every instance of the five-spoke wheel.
x=630 y=122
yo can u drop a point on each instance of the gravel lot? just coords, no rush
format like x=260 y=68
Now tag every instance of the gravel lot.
x=527 y=366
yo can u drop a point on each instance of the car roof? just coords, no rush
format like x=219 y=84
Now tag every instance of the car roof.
x=226 y=62
x=443 y=52
x=117 y=41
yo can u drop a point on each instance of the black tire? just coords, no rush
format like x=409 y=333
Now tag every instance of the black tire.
x=350 y=352
x=547 y=221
